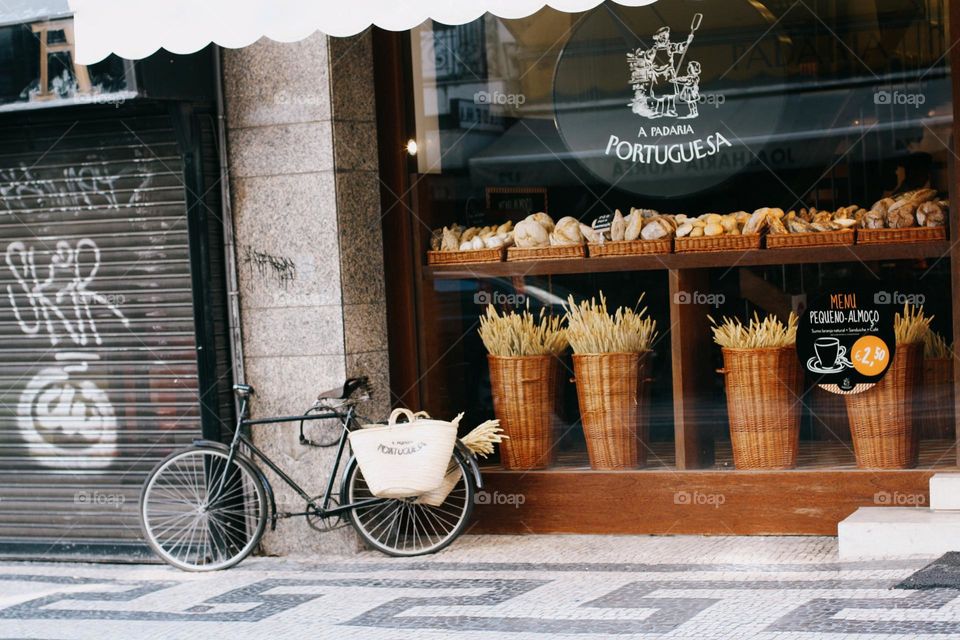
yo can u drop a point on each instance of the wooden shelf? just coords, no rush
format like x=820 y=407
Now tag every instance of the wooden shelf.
x=669 y=502
x=673 y=261
x=689 y=328
x=815 y=455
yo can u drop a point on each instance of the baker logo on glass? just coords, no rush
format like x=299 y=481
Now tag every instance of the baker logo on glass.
x=660 y=115
x=656 y=80
x=664 y=89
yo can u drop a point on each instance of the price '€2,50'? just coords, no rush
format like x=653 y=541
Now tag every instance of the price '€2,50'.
x=870 y=355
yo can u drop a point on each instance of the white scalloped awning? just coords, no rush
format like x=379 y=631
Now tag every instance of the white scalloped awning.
x=135 y=29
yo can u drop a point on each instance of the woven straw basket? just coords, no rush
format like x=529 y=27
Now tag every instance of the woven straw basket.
x=524 y=400
x=613 y=391
x=905 y=234
x=936 y=393
x=882 y=418
x=763 y=402
x=402 y=460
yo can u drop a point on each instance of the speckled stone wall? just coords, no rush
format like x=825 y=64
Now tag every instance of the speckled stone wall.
x=304 y=181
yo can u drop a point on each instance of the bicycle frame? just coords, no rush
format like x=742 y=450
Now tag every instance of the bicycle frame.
x=322 y=510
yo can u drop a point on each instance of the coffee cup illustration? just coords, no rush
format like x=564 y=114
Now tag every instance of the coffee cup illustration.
x=831 y=356
x=828 y=351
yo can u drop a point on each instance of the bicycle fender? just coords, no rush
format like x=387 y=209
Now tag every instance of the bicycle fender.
x=352 y=460
x=471 y=460
x=271 y=500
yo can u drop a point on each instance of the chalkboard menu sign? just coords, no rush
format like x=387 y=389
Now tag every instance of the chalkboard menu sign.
x=845 y=338
x=516 y=201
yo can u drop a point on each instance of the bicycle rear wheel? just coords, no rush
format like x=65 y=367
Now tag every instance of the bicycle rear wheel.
x=406 y=527
x=200 y=514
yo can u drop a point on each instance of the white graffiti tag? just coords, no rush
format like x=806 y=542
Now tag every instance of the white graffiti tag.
x=57 y=296
x=85 y=187
x=66 y=421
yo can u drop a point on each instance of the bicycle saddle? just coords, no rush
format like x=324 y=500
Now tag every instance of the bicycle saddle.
x=344 y=392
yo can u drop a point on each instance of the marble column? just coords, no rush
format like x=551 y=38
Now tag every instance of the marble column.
x=301 y=136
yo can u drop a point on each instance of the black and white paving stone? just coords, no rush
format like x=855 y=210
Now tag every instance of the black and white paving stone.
x=494 y=587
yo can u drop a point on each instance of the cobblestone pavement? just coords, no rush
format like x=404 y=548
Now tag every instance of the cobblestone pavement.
x=526 y=586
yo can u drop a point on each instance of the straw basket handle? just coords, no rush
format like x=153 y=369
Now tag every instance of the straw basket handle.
x=400 y=411
x=409 y=415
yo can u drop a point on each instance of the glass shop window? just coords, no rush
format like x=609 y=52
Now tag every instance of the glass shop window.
x=696 y=163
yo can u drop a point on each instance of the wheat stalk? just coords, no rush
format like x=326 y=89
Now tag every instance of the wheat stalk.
x=520 y=334
x=481 y=440
x=768 y=333
x=935 y=346
x=912 y=326
x=591 y=329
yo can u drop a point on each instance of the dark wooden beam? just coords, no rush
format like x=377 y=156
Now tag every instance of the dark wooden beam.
x=689 y=342
x=392 y=88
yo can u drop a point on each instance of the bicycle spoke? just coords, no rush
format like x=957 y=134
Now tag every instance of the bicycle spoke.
x=388 y=520
x=184 y=541
x=415 y=511
x=426 y=519
x=370 y=514
x=445 y=525
x=175 y=522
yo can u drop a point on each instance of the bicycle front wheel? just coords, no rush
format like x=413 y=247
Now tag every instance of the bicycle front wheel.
x=200 y=513
x=408 y=527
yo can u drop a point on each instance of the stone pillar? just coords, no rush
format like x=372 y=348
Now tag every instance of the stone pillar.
x=301 y=136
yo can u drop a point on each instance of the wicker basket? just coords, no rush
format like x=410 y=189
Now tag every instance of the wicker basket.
x=631 y=248
x=882 y=418
x=812 y=239
x=524 y=400
x=465 y=257
x=907 y=234
x=936 y=394
x=763 y=403
x=402 y=460
x=613 y=392
x=562 y=252
x=717 y=243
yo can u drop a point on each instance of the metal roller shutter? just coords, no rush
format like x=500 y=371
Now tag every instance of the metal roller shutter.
x=98 y=366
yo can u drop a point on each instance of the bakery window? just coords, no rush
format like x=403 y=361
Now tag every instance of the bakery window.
x=675 y=185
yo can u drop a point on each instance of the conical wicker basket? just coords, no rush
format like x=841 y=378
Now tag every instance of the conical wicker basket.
x=882 y=418
x=937 y=415
x=613 y=392
x=524 y=400
x=763 y=403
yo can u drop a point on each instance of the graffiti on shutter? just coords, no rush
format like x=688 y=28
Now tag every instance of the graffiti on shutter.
x=59 y=411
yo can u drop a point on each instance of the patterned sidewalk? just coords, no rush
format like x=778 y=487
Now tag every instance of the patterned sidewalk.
x=489 y=587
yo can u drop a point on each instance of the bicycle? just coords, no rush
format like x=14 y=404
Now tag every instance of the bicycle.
x=205 y=507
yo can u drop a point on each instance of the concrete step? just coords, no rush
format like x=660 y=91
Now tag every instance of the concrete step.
x=898 y=532
x=945 y=492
